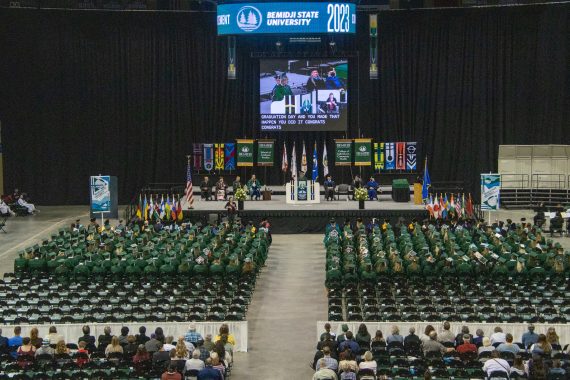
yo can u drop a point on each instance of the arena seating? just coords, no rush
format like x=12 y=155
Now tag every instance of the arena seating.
x=124 y=275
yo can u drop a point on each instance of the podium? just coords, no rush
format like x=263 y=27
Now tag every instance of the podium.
x=302 y=192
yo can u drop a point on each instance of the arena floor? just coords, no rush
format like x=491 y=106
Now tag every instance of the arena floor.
x=288 y=300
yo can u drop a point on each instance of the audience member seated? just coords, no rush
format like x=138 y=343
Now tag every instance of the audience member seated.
x=171 y=374
x=209 y=372
x=45 y=349
x=131 y=347
x=429 y=328
x=467 y=346
x=530 y=337
x=124 y=335
x=518 y=367
x=82 y=354
x=217 y=363
x=194 y=364
x=35 y=340
x=395 y=336
x=363 y=338
x=5 y=210
x=224 y=329
x=141 y=337
x=541 y=347
x=509 y=346
x=15 y=341
x=552 y=337
x=23 y=201
x=495 y=365
x=350 y=343
x=25 y=353
x=192 y=336
x=113 y=347
x=486 y=346
x=168 y=346
x=432 y=345
x=369 y=362
x=324 y=373
x=3 y=343
x=478 y=338
x=498 y=336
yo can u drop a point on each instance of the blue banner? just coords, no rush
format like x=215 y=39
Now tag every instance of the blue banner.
x=286 y=18
x=100 y=193
x=490 y=191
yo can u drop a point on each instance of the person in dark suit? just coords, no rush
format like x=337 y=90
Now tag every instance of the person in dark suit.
x=329 y=188
x=206 y=188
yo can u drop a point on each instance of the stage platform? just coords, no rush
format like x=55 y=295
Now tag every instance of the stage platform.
x=307 y=218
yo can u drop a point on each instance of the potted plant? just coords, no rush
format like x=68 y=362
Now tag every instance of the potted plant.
x=360 y=195
x=240 y=195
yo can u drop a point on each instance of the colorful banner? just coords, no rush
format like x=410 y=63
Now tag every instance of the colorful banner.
x=373 y=31
x=411 y=155
x=208 y=157
x=100 y=193
x=379 y=156
x=198 y=156
x=490 y=191
x=244 y=152
x=343 y=152
x=219 y=156
x=401 y=156
x=362 y=152
x=230 y=156
x=304 y=160
x=390 y=156
x=265 y=152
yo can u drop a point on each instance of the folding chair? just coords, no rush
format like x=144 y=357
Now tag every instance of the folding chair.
x=3 y=224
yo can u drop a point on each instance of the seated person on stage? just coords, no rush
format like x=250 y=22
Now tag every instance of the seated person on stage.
x=331 y=105
x=329 y=188
x=236 y=184
x=356 y=184
x=221 y=189
x=23 y=201
x=206 y=188
x=254 y=186
x=372 y=186
x=5 y=209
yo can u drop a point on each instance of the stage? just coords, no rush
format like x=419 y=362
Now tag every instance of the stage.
x=306 y=218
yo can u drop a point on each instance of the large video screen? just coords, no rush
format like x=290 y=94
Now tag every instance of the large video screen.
x=303 y=94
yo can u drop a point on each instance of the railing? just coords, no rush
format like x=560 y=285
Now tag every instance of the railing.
x=549 y=181
x=548 y=188
x=515 y=181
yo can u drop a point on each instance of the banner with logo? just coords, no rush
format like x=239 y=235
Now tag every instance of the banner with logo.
x=208 y=157
x=390 y=156
x=230 y=156
x=244 y=152
x=198 y=156
x=100 y=193
x=362 y=152
x=411 y=155
x=401 y=155
x=265 y=152
x=219 y=156
x=343 y=152
x=379 y=156
x=490 y=191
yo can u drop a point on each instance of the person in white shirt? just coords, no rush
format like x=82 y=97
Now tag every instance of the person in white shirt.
x=368 y=362
x=5 y=209
x=496 y=364
x=168 y=346
x=498 y=336
x=195 y=363
x=22 y=202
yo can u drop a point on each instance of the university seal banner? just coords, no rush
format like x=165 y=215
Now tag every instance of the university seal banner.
x=390 y=156
x=265 y=152
x=411 y=155
x=490 y=191
x=230 y=156
x=362 y=152
x=219 y=156
x=244 y=152
x=208 y=157
x=343 y=152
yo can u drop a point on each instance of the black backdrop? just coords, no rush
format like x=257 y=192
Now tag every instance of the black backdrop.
x=127 y=93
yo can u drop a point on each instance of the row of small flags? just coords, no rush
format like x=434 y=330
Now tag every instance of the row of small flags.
x=442 y=207
x=153 y=208
x=304 y=167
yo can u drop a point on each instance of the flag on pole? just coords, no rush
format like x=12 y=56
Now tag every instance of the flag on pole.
x=189 y=191
x=315 y=164
x=139 y=207
x=427 y=182
x=293 y=162
x=469 y=207
x=180 y=216
x=284 y=162
x=304 y=159
x=325 y=160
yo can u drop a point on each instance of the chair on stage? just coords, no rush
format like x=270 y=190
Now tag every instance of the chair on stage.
x=342 y=189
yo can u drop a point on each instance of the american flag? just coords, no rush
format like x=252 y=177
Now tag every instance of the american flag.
x=189 y=192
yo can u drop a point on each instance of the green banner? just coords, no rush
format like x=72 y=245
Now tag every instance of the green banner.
x=362 y=152
x=343 y=152
x=244 y=152
x=265 y=152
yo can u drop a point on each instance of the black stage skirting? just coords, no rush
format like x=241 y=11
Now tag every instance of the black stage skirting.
x=297 y=221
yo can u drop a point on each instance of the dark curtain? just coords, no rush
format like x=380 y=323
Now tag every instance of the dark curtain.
x=127 y=93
